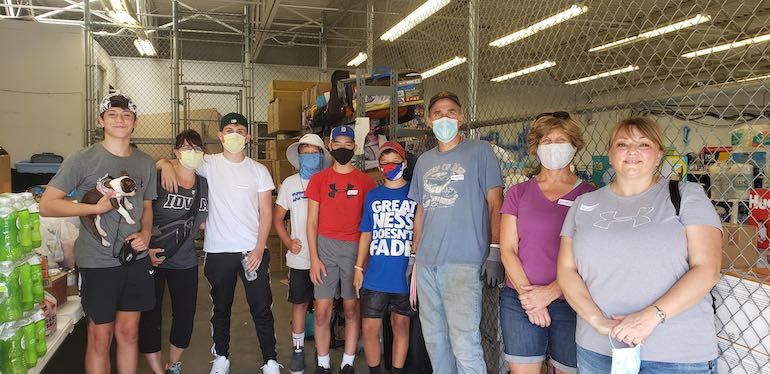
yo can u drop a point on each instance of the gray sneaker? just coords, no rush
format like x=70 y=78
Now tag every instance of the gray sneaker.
x=176 y=368
x=297 y=365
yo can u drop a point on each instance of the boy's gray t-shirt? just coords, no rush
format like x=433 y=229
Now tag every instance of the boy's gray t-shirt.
x=630 y=250
x=451 y=187
x=80 y=171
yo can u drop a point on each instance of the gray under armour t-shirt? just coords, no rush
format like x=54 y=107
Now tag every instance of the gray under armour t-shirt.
x=630 y=250
x=80 y=171
x=452 y=189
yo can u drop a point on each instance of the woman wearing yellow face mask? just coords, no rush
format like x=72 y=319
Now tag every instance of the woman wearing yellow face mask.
x=179 y=215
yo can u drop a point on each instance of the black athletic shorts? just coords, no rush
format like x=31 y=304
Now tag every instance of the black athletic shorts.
x=300 y=286
x=105 y=291
x=376 y=304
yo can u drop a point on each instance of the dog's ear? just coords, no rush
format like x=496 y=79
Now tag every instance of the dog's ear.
x=127 y=185
x=123 y=173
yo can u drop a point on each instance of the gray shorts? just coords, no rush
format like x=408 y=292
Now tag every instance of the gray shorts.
x=339 y=258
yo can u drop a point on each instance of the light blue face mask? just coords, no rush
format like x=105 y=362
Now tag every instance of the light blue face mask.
x=309 y=164
x=445 y=129
x=626 y=360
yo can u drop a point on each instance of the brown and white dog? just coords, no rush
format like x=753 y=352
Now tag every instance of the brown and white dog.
x=117 y=189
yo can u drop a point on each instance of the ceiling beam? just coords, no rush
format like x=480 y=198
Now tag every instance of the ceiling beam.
x=269 y=8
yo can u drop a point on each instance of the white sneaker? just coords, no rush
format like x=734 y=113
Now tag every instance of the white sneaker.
x=271 y=367
x=220 y=365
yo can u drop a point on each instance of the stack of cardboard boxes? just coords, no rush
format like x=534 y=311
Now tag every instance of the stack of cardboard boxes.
x=284 y=113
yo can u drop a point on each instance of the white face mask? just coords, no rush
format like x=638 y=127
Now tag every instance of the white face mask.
x=234 y=142
x=626 y=360
x=555 y=156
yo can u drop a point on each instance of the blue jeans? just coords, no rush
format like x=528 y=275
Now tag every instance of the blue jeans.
x=590 y=362
x=450 y=313
x=526 y=343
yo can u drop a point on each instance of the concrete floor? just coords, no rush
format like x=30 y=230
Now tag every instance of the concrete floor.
x=245 y=356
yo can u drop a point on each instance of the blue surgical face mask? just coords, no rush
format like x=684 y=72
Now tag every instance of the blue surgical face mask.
x=309 y=164
x=626 y=360
x=445 y=129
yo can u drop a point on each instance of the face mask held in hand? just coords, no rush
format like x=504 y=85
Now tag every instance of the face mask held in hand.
x=309 y=164
x=555 y=156
x=190 y=159
x=342 y=155
x=234 y=142
x=626 y=360
x=445 y=129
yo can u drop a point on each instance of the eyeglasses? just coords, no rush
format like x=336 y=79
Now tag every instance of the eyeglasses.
x=190 y=148
x=562 y=115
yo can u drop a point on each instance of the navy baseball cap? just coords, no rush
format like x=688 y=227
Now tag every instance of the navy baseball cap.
x=444 y=95
x=233 y=119
x=343 y=130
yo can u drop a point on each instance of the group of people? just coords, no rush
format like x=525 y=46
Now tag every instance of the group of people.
x=615 y=278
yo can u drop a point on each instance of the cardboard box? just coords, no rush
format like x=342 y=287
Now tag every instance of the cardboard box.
x=57 y=287
x=282 y=169
x=5 y=173
x=276 y=149
x=287 y=95
x=281 y=85
x=739 y=246
x=268 y=164
x=310 y=94
x=284 y=115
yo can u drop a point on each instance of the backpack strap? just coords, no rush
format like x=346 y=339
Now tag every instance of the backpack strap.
x=676 y=197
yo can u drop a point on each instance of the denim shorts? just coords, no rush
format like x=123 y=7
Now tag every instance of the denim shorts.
x=526 y=343
x=590 y=362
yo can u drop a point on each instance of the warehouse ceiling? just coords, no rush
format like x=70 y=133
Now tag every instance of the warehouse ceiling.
x=291 y=31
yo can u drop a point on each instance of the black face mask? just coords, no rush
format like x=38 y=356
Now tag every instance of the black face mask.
x=342 y=155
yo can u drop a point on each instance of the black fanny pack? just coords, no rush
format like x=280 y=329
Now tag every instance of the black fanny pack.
x=170 y=236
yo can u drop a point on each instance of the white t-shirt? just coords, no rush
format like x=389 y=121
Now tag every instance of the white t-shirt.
x=234 y=187
x=291 y=196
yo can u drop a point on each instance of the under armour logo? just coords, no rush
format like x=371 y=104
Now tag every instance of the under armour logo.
x=333 y=190
x=608 y=218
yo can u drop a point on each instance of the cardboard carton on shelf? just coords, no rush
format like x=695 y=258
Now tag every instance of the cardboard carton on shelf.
x=284 y=115
x=281 y=170
x=276 y=86
x=739 y=246
x=276 y=149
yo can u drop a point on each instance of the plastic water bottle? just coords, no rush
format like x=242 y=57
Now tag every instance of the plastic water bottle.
x=250 y=275
x=38 y=290
x=8 y=248
x=29 y=343
x=25 y=278
x=42 y=346
x=13 y=362
x=25 y=230
x=10 y=293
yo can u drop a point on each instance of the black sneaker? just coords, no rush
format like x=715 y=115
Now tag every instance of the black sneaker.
x=347 y=369
x=297 y=360
x=322 y=370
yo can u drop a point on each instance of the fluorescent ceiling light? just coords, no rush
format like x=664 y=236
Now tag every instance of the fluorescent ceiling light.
x=358 y=59
x=418 y=15
x=445 y=66
x=610 y=73
x=756 y=78
x=697 y=20
x=525 y=71
x=553 y=20
x=145 y=47
x=724 y=47
x=119 y=11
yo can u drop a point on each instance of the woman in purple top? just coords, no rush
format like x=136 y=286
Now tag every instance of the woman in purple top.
x=535 y=318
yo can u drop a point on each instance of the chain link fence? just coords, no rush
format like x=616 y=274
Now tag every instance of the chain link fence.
x=699 y=67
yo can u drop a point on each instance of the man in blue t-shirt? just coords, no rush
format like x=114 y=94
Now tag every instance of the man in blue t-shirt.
x=384 y=254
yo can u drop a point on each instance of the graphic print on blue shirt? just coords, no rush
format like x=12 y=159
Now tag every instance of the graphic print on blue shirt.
x=389 y=216
x=439 y=181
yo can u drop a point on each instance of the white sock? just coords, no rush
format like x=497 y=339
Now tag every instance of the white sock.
x=347 y=360
x=298 y=340
x=323 y=361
